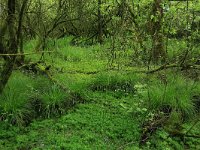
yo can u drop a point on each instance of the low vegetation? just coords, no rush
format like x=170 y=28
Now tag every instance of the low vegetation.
x=114 y=109
x=94 y=74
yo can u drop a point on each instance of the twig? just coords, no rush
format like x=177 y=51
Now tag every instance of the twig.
x=162 y=68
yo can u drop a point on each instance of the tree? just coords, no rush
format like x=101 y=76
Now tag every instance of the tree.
x=19 y=30
x=12 y=48
x=100 y=27
x=14 y=36
x=158 y=49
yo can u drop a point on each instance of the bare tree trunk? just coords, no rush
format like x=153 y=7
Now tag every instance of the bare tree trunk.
x=10 y=61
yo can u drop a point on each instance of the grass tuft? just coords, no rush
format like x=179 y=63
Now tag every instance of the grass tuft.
x=53 y=100
x=14 y=99
x=176 y=93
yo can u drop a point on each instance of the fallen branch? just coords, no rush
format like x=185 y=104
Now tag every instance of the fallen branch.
x=38 y=67
x=45 y=69
x=162 y=68
x=183 y=67
x=82 y=72
x=56 y=81
x=193 y=136
x=27 y=53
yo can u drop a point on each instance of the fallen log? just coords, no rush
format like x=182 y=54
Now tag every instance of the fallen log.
x=43 y=69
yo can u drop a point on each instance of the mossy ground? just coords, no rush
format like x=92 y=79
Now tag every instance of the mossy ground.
x=107 y=109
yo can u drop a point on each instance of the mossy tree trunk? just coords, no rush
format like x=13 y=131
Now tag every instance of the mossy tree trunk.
x=12 y=48
x=158 y=48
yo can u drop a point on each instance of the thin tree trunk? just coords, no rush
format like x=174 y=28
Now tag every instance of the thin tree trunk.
x=19 y=30
x=158 y=48
x=100 y=25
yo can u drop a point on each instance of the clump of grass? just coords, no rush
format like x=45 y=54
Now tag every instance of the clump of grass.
x=52 y=100
x=175 y=93
x=14 y=99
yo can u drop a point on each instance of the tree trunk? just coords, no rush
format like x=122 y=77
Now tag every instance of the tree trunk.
x=158 y=48
x=19 y=30
x=10 y=61
x=100 y=24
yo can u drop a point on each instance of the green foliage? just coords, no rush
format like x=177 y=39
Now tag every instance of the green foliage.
x=194 y=143
x=163 y=140
x=91 y=127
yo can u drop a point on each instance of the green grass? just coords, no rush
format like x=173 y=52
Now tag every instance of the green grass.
x=14 y=99
x=27 y=97
x=118 y=83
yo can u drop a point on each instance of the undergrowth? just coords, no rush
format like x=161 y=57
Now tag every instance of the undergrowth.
x=103 y=109
x=27 y=97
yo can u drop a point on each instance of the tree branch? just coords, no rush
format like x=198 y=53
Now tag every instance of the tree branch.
x=27 y=53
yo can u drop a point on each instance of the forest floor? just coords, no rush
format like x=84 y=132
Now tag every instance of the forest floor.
x=83 y=98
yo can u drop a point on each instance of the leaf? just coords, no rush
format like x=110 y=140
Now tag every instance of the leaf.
x=123 y=106
x=152 y=16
